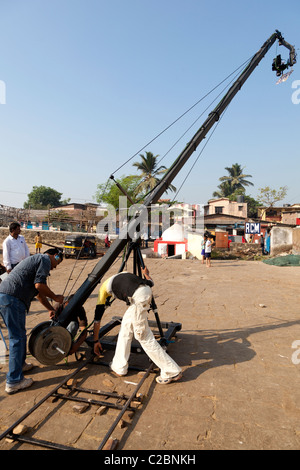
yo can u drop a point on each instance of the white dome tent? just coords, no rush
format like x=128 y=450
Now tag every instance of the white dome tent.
x=172 y=242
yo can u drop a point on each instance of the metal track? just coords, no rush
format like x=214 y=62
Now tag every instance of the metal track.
x=127 y=400
x=63 y=396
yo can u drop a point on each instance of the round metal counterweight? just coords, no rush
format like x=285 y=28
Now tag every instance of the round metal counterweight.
x=35 y=332
x=50 y=344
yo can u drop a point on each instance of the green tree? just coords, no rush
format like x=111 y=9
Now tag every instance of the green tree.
x=150 y=172
x=225 y=190
x=42 y=197
x=109 y=193
x=268 y=196
x=236 y=177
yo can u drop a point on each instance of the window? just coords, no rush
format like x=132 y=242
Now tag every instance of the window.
x=240 y=208
x=219 y=210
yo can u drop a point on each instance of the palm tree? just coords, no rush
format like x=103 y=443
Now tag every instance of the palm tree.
x=236 y=177
x=224 y=190
x=149 y=172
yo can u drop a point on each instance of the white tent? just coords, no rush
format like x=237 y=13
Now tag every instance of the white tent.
x=172 y=242
x=175 y=233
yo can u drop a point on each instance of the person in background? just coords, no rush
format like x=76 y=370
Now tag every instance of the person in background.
x=203 y=248
x=262 y=243
x=107 y=241
x=208 y=245
x=268 y=242
x=26 y=281
x=145 y=238
x=15 y=248
x=38 y=242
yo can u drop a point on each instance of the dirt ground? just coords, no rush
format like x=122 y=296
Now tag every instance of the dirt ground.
x=237 y=347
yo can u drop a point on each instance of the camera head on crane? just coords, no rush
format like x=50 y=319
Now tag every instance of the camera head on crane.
x=278 y=65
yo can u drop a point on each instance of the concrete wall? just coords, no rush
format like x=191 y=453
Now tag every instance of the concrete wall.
x=296 y=241
x=245 y=247
x=194 y=244
x=290 y=217
x=53 y=238
x=281 y=239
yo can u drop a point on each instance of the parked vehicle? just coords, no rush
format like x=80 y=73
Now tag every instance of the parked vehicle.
x=79 y=246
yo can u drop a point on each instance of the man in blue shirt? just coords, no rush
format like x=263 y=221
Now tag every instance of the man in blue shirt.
x=26 y=281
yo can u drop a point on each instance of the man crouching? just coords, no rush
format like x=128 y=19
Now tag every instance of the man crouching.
x=137 y=293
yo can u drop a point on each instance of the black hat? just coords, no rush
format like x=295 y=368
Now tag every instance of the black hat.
x=55 y=251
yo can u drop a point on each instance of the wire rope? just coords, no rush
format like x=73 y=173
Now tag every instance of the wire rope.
x=199 y=155
x=221 y=92
x=190 y=127
x=76 y=260
x=182 y=115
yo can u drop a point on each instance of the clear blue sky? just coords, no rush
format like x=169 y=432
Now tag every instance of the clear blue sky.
x=90 y=82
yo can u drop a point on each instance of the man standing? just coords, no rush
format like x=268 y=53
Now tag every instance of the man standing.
x=38 y=242
x=262 y=243
x=137 y=293
x=15 y=248
x=27 y=280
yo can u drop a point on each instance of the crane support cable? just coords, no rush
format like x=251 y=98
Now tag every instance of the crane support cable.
x=187 y=130
x=181 y=116
x=196 y=120
x=199 y=155
x=120 y=242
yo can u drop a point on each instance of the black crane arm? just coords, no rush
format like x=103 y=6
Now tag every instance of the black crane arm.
x=292 y=56
x=116 y=248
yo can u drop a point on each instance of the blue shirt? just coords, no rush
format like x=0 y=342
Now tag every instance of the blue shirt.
x=20 y=282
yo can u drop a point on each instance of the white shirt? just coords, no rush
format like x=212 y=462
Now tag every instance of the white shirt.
x=14 y=250
x=208 y=246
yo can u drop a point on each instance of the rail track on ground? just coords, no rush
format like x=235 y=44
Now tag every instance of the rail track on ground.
x=110 y=407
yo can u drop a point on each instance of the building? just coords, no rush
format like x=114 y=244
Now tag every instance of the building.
x=224 y=215
x=223 y=205
x=71 y=217
x=286 y=214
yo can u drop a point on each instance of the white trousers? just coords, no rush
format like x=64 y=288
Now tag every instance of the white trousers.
x=135 y=323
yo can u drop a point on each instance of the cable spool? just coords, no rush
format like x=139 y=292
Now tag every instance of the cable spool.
x=49 y=343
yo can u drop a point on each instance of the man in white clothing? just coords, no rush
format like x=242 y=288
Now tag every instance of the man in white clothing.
x=15 y=248
x=137 y=293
